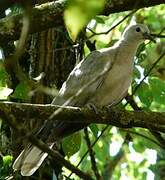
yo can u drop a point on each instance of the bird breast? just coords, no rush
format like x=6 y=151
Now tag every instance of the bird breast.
x=114 y=84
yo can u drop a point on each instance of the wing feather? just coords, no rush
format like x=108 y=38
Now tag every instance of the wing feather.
x=89 y=68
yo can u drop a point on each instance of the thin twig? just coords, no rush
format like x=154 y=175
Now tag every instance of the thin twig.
x=86 y=153
x=141 y=135
x=149 y=71
x=91 y=154
x=113 y=27
x=158 y=35
x=156 y=134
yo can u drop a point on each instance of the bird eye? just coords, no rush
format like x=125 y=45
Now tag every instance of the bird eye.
x=138 y=29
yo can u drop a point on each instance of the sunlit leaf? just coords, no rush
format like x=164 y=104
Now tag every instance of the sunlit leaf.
x=141 y=143
x=99 y=20
x=137 y=73
x=4 y=77
x=5 y=92
x=159 y=169
x=94 y=129
x=78 y=13
x=145 y=94
x=7 y=160
x=21 y=91
x=158 y=89
x=71 y=144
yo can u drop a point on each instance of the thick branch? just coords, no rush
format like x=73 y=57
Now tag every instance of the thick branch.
x=116 y=117
x=114 y=6
x=50 y=15
x=111 y=6
x=43 y=17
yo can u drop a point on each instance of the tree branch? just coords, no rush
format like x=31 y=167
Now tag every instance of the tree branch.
x=115 y=117
x=50 y=15
x=92 y=155
x=42 y=18
x=114 y=6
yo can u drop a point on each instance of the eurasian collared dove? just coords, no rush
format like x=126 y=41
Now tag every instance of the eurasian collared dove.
x=107 y=89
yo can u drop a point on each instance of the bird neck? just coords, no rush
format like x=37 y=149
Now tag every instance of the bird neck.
x=128 y=43
x=127 y=48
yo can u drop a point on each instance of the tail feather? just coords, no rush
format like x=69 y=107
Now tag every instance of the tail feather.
x=30 y=160
x=20 y=159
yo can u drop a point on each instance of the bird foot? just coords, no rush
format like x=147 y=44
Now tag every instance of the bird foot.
x=92 y=107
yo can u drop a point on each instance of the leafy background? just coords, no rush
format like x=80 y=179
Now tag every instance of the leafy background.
x=140 y=157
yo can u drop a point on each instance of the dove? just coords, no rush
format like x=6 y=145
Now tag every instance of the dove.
x=103 y=89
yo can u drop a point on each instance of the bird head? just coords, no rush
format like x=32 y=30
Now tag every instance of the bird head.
x=137 y=32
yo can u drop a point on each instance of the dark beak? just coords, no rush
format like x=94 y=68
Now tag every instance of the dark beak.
x=149 y=37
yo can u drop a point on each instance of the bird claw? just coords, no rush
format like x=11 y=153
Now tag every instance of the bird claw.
x=92 y=107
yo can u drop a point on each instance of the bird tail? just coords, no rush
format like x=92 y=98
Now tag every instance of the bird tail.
x=30 y=160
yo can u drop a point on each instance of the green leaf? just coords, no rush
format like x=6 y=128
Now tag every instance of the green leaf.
x=4 y=77
x=158 y=89
x=140 y=49
x=139 y=145
x=94 y=129
x=21 y=91
x=7 y=160
x=137 y=73
x=71 y=144
x=78 y=13
x=146 y=140
x=4 y=80
x=159 y=169
x=100 y=20
x=145 y=94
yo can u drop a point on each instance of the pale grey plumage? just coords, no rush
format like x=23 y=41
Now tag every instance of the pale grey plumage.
x=108 y=89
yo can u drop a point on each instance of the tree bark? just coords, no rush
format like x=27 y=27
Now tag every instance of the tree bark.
x=50 y=15
x=115 y=6
x=114 y=116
